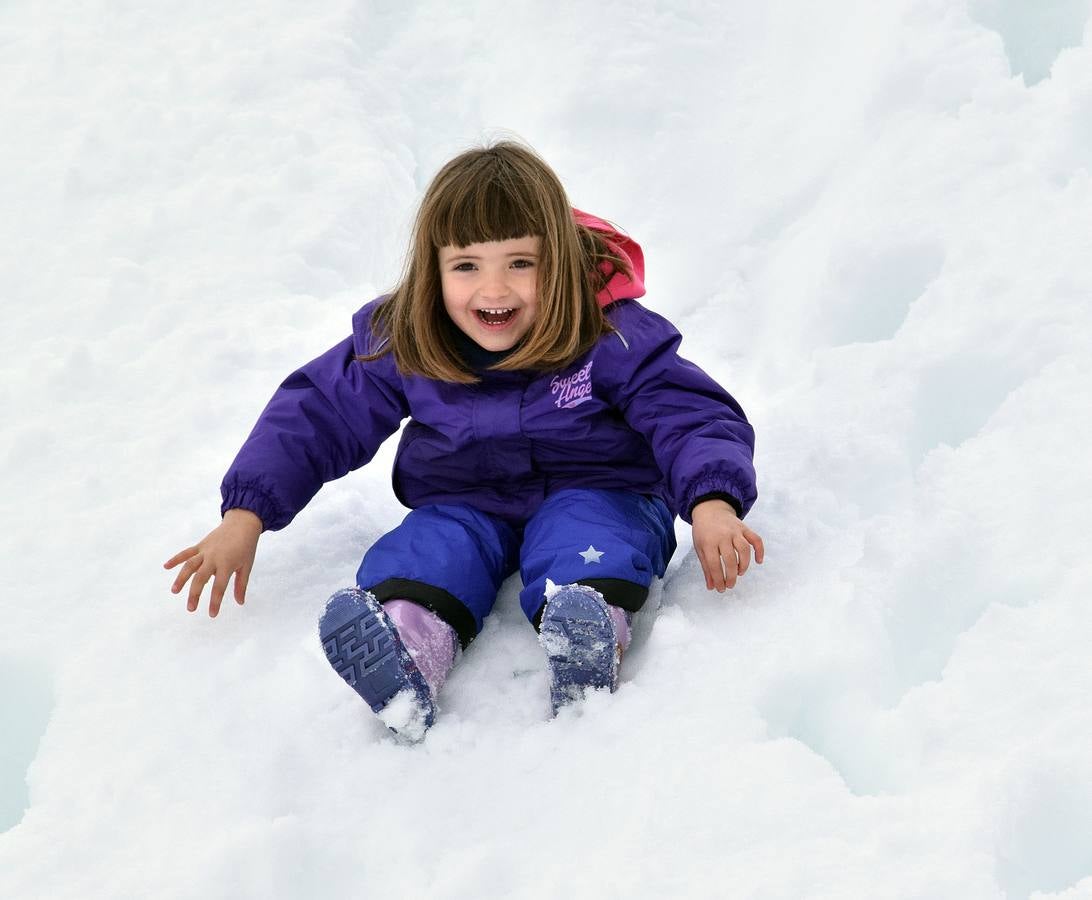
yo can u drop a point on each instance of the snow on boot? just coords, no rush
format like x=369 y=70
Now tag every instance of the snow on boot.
x=579 y=635
x=364 y=647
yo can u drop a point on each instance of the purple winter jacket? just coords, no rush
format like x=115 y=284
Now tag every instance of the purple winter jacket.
x=630 y=414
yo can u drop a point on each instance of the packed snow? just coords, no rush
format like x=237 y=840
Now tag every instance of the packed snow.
x=405 y=717
x=870 y=222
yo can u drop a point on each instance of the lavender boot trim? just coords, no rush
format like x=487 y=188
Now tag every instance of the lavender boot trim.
x=621 y=619
x=428 y=638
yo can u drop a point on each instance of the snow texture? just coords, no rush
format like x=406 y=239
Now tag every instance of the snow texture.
x=404 y=715
x=870 y=222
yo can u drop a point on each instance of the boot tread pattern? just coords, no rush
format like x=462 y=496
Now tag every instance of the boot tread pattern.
x=579 y=640
x=363 y=647
x=359 y=647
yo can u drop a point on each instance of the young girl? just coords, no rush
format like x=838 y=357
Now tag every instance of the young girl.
x=553 y=429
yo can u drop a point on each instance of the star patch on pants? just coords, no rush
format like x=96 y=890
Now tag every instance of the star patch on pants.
x=591 y=555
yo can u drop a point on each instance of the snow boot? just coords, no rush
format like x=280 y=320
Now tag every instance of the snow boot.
x=583 y=638
x=363 y=644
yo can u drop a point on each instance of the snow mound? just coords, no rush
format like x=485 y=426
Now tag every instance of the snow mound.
x=864 y=223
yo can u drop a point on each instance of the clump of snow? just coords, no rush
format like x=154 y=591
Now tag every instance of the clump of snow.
x=404 y=715
x=555 y=643
x=866 y=224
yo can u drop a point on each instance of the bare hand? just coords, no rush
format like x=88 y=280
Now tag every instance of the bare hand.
x=723 y=544
x=225 y=551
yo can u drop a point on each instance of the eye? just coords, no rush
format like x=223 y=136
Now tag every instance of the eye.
x=463 y=267
x=523 y=263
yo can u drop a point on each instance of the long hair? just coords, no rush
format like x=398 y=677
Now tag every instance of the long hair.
x=496 y=193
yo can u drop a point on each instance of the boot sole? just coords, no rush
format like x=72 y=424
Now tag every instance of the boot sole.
x=578 y=636
x=364 y=648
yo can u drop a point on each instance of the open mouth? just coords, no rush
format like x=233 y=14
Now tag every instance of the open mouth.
x=495 y=317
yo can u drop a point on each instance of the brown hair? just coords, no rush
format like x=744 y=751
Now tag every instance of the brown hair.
x=496 y=193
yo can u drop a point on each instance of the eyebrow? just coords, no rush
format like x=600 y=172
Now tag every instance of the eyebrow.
x=472 y=256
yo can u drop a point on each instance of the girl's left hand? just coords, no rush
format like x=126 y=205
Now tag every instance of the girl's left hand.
x=723 y=544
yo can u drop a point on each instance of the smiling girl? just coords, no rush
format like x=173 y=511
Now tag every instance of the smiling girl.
x=553 y=430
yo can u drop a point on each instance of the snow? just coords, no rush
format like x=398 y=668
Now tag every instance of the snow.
x=870 y=221
x=404 y=715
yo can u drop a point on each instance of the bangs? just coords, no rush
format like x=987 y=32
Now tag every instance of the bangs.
x=489 y=203
x=497 y=193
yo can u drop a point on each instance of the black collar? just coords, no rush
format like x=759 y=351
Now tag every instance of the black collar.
x=477 y=357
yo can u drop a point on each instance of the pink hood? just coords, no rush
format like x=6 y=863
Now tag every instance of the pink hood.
x=620 y=285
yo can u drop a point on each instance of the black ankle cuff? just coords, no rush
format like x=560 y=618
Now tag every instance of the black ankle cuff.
x=437 y=600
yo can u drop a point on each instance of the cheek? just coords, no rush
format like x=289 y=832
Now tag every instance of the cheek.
x=450 y=307
x=449 y=292
x=530 y=290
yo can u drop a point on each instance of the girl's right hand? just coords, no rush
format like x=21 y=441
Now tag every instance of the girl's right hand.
x=225 y=551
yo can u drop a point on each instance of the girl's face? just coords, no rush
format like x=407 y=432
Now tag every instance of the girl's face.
x=491 y=289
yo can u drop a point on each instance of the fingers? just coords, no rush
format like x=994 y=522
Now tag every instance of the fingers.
x=219 y=586
x=202 y=572
x=180 y=557
x=241 y=578
x=707 y=570
x=720 y=573
x=710 y=565
x=742 y=550
x=755 y=541
x=187 y=570
x=725 y=553
x=224 y=553
x=723 y=565
x=200 y=579
x=726 y=556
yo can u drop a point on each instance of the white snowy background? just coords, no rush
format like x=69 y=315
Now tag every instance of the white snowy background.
x=871 y=222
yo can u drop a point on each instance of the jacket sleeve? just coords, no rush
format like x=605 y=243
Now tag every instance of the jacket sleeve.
x=327 y=418
x=699 y=435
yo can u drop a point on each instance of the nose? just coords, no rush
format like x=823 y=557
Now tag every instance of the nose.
x=494 y=285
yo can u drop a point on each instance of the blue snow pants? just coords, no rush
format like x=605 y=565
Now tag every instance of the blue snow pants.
x=452 y=558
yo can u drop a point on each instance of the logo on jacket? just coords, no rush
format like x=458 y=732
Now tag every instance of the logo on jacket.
x=572 y=390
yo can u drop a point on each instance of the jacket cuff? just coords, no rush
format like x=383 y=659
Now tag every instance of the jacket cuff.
x=717 y=495
x=252 y=498
x=707 y=489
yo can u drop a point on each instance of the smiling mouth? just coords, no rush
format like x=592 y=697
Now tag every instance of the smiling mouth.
x=495 y=316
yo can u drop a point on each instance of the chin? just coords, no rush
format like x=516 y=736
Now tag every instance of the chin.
x=488 y=342
x=497 y=341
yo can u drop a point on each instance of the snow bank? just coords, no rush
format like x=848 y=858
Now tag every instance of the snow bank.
x=870 y=223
